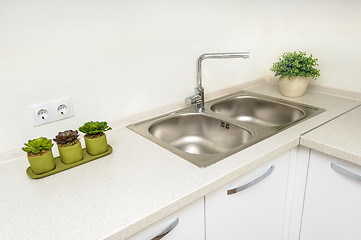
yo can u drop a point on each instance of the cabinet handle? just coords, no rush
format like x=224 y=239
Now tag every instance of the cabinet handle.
x=251 y=183
x=345 y=172
x=172 y=225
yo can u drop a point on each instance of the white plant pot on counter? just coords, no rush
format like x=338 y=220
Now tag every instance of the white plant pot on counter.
x=294 y=87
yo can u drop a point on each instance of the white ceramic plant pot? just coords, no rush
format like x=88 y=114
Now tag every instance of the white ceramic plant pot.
x=294 y=87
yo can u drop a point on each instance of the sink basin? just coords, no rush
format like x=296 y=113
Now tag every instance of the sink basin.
x=258 y=111
x=199 y=138
x=199 y=134
x=228 y=125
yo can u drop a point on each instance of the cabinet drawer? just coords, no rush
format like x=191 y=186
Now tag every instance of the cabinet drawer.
x=254 y=212
x=187 y=223
x=332 y=200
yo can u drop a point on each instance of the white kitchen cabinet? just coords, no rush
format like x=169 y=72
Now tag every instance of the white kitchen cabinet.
x=186 y=223
x=257 y=211
x=332 y=207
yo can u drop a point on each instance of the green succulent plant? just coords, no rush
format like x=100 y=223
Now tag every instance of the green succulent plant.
x=67 y=137
x=293 y=64
x=94 y=128
x=37 y=145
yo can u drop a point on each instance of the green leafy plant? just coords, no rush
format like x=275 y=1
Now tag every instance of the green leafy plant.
x=38 y=145
x=94 y=128
x=293 y=64
x=67 y=138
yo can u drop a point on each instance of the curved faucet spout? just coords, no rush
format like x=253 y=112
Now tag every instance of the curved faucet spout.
x=198 y=98
x=216 y=55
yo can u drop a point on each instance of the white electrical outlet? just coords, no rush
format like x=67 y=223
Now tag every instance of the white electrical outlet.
x=51 y=111
x=43 y=114
x=63 y=108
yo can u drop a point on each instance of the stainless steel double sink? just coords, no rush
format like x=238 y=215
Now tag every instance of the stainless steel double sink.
x=228 y=125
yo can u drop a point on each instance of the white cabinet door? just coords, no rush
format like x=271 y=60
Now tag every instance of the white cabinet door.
x=255 y=212
x=187 y=223
x=332 y=207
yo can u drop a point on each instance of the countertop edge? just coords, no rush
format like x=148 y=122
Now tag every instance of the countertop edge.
x=330 y=150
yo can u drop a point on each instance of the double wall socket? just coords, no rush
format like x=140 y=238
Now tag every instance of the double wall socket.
x=51 y=111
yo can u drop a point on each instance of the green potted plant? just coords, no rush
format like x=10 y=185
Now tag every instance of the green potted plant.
x=294 y=70
x=69 y=146
x=95 y=139
x=40 y=155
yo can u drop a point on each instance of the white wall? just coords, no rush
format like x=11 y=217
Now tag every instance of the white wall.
x=329 y=29
x=116 y=58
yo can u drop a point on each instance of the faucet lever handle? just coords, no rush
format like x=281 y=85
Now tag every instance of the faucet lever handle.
x=193 y=100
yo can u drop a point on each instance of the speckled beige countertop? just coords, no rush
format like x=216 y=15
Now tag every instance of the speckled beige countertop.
x=139 y=183
x=340 y=137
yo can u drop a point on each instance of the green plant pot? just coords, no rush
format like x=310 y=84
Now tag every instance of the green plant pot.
x=95 y=146
x=71 y=154
x=42 y=164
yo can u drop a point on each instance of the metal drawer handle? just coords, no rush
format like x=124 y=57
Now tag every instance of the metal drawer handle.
x=172 y=225
x=345 y=172
x=251 y=183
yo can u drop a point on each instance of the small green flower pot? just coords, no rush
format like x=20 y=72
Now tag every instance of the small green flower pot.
x=42 y=164
x=95 y=146
x=71 y=154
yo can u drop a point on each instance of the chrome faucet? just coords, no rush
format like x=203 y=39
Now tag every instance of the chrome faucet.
x=198 y=98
